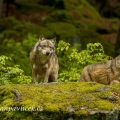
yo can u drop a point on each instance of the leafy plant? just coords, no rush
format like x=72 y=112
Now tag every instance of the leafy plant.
x=11 y=74
x=72 y=62
x=19 y=51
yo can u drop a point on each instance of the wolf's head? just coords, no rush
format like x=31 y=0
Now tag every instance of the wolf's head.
x=46 y=46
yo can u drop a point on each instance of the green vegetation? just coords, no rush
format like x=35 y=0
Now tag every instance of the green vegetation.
x=18 y=45
x=11 y=74
x=59 y=18
x=58 y=101
x=59 y=28
x=70 y=60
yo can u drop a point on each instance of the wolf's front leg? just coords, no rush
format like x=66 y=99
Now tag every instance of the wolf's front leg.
x=54 y=77
x=46 y=79
x=34 y=74
x=46 y=76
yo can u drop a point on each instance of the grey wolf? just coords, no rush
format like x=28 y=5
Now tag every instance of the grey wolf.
x=44 y=61
x=104 y=73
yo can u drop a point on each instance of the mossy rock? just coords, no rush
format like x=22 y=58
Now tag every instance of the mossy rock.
x=60 y=101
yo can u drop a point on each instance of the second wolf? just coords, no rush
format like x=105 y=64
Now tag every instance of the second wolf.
x=104 y=73
x=44 y=61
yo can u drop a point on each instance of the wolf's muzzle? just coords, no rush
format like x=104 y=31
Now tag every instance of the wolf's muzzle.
x=47 y=53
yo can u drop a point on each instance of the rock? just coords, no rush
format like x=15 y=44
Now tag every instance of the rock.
x=17 y=96
x=60 y=101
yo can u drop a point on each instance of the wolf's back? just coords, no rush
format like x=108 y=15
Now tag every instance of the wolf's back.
x=33 y=54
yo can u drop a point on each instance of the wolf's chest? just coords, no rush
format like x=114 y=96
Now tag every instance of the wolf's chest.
x=40 y=69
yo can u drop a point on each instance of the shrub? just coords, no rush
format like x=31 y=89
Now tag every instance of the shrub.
x=72 y=62
x=11 y=74
x=19 y=51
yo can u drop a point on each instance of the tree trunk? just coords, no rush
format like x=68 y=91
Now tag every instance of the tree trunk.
x=117 y=45
x=1 y=6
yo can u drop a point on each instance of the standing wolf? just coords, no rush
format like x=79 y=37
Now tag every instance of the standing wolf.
x=104 y=73
x=44 y=61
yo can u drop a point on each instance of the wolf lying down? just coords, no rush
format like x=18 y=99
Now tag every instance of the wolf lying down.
x=44 y=61
x=104 y=73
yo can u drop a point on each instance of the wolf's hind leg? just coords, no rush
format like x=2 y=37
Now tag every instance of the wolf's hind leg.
x=46 y=77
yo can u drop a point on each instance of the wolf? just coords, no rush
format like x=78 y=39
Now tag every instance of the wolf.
x=44 y=61
x=105 y=73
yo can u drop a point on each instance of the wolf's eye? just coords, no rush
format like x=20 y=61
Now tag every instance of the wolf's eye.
x=43 y=46
x=51 y=47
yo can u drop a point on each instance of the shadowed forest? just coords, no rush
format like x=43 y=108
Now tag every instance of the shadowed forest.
x=74 y=23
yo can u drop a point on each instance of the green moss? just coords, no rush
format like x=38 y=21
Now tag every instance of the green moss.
x=7 y=102
x=82 y=112
x=58 y=99
x=103 y=105
x=105 y=94
x=6 y=96
x=29 y=103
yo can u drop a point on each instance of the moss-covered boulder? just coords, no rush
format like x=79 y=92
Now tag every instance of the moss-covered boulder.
x=60 y=101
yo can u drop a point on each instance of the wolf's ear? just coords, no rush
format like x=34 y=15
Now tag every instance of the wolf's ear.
x=53 y=40
x=41 y=37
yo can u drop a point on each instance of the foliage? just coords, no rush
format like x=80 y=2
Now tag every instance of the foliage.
x=13 y=28
x=96 y=38
x=72 y=62
x=61 y=29
x=11 y=74
x=19 y=51
x=59 y=23
x=59 y=15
